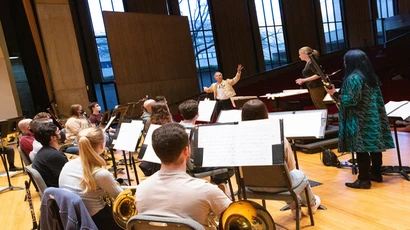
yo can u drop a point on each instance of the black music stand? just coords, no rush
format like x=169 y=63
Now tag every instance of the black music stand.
x=397 y=111
x=3 y=134
x=206 y=110
x=293 y=120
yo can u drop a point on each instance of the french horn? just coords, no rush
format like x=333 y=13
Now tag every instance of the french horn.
x=124 y=208
x=246 y=215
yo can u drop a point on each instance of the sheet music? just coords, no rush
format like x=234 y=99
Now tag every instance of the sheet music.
x=109 y=123
x=393 y=105
x=401 y=110
x=304 y=123
x=245 y=143
x=205 y=110
x=233 y=115
x=149 y=154
x=285 y=93
x=128 y=136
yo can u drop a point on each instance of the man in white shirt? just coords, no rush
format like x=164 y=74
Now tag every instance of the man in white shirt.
x=171 y=192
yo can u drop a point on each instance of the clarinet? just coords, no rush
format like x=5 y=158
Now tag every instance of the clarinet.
x=54 y=116
x=325 y=78
x=30 y=202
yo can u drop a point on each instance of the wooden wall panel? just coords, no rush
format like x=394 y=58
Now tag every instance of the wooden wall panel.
x=151 y=55
x=10 y=103
x=146 y=6
x=301 y=26
x=359 y=23
x=233 y=37
x=61 y=48
x=404 y=6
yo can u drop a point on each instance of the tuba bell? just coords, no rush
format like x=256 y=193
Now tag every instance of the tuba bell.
x=246 y=215
x=123 y=207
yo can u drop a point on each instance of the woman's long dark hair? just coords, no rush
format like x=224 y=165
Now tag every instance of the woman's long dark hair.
x=356 y=61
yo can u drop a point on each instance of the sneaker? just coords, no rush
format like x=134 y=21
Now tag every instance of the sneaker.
x=362 y=184
x=316 y=205
x=15 y=168
x=377 y=178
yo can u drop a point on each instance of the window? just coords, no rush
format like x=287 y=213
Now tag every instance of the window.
x=202 y=39
x=271 y=31
x=333 y=24
x=386 y=8
x=105 y=90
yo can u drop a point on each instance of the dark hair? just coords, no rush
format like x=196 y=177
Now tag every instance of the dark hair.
x=91 y=105
x=37 y=122
x=356 y=61
x=44 y=132
x=160 y=114
x=160 y=98
x=254 y=110
x=188 y=109
x=168 y=141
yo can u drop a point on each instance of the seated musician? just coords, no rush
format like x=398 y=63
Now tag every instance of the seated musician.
x=87 y=177
x=95 y=116
x=189 y=112
x=27 y=137
x=76 y=122
x=171 y=192
x=49 y=160
x=255 y=110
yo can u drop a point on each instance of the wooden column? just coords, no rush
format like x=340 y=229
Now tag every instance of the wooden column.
x=61 y=50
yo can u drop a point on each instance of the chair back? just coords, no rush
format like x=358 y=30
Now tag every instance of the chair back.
x=24 y=156
x=105 y=117
x=147 y=222
x=276 y=176
x=37 y=179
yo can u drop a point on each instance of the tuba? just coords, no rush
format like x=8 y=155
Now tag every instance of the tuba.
x=246 y=215
x=123 y=207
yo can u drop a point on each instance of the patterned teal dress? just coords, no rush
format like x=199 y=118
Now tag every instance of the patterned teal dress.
x=363 y=123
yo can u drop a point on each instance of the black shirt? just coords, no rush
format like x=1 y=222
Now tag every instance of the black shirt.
x=309 y=71
x=49 y=162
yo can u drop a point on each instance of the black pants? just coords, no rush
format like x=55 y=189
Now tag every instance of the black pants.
x=223 y=105
x=104 y=219
x=364 y=159
x=10 y=155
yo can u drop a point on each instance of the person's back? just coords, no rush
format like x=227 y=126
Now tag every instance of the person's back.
x=170 y=191
x=49 y=161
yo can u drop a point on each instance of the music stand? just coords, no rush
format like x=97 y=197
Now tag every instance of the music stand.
x=3 y=134
x=239 y=101
x=126 y=138
x=206 y=109
x=229 y=116
x=314 y=123
x=397 y=111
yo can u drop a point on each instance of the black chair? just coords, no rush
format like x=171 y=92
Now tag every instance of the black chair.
x=37 y=179
x=147 y=222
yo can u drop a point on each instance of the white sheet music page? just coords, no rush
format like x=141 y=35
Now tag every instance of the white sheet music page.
x=233 y=115
x=401 y=110
x=149 y=152
x=246 y=143
x=109 y=123
x=205 y=110
x=128 y=136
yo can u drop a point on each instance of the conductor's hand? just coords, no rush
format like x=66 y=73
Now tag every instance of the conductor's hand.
x=331 y=91
x=206 y=89
x=239 y=69
x=300 y=81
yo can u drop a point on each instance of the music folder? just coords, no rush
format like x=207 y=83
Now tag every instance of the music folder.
x=248 y=143
x=398 y=109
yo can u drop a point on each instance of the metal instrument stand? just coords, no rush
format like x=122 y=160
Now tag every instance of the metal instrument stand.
x=10 y=187
x=402 y=170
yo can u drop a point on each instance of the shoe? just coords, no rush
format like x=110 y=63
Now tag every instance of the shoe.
x=363 y=184
x=376 y=178
x=15 y=168
x=315 y=205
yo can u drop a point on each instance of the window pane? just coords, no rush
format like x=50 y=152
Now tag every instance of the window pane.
x=271 y=32
x=96 y=17
x=118 y=5
x=385 y=8
x=110 y=95
x=332 y=24
x=105 y=59
x=106 y=5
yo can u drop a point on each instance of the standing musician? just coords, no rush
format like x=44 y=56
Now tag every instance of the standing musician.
x=223 y=89
x=363 y=124
x=311 y=78
x=76 y=122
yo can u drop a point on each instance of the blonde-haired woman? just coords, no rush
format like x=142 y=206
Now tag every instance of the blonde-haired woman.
x=87 y=177
x=76 y=122
x=311 y=78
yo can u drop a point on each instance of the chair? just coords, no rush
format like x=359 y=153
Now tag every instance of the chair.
x=157 y=223
x=62 y=209
x=278 y=178
x=214 y=172
x=36 y=177
x=26 y=162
